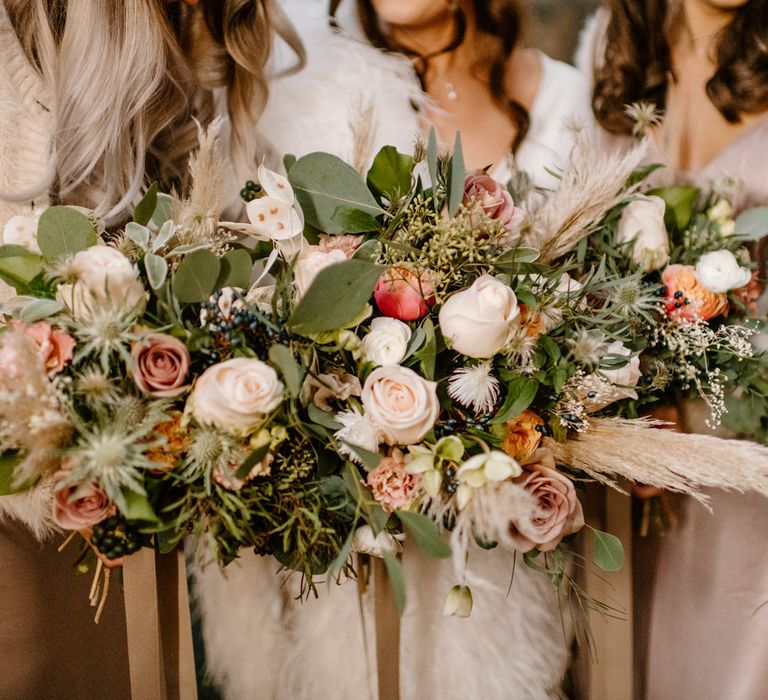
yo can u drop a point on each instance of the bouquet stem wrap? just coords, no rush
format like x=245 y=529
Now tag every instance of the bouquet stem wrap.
x=387 y=622
x=159 y=628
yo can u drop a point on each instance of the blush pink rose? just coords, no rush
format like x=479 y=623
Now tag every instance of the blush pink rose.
x=402 y=294
x=160 y=365
x=54 y=347
x=480 y=189
x=392 y=486
x=79 y=506
x=557 y=512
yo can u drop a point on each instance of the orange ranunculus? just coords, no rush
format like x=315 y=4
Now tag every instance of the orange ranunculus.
x=167 y=455
x=522 y=437
x=687 y=299
x=531 y=322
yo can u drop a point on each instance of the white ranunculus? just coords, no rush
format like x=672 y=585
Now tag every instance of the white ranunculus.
x=274 y=216
x=402 y=404
x=387 y=341
x=610 y=385
x=365 y=542
x=479 y=321
x=236 y=395
x=310 y=262
x=720 y=271
x=22 y=230
x=642 y=221
x=104 y=276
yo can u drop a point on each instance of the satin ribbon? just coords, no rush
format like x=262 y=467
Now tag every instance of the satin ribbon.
x=387 y=623
x=159 y=628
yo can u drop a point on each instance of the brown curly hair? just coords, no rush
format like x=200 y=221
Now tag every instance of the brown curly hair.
x=637 y=64
x=499 y=22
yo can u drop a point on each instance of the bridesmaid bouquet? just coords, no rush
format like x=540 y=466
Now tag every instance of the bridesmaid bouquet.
x=381 y=358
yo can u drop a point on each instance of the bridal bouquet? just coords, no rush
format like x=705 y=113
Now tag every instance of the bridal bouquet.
x=367 y=358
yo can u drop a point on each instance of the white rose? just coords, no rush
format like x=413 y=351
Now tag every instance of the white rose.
x=236 y=395
x=386 y=342
x=310 y=262
x=364 y=542
x=400 y=403
x=720 y=271
x=274 y=216
x=610 y=385
x=106 y=275
x=480 y=320
x=22 y=230
x=642 y=221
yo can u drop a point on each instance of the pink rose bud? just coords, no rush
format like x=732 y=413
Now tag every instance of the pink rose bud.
x=480 y=189
x=54 y=348
x=160 y=365
x=80 y=506
x=402 y=294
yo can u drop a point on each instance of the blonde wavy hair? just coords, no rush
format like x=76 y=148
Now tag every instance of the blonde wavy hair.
x=130 y=79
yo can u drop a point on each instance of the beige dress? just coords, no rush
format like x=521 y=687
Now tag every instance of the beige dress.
x=49 y=644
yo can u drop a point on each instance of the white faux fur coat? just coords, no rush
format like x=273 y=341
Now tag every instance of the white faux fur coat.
x=263 y=644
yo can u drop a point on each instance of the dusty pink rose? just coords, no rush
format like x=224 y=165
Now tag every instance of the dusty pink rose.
x=480 y=189
x=392 y=486
x=160 y=365
x=402 y=294
x=346 y=243
x=54 y=347
x=79 y=506
x=558 y=511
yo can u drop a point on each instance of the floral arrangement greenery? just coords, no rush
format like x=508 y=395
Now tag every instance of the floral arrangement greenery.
x=369 y=357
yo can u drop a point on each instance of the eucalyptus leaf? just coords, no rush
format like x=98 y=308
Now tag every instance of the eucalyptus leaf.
x=323 y=183
x=752 y=223
x=521 y=392
x=195 y=278
x=323 y=418
x=390 y=173
x=396 y=580
x=608 y=552
x=189 y=248
x=164 y=236
x=138 y=507
x=369 y=460
x=236 y=268
x=163 y=210
x=39 y=309
x=456 y=175
x=144 y=210
x=426 y=534
x=64 y=231
x=336 y=297
x=282 y=357
x=139 y=234
x=18 y=266
x=355 y=221
x=157 y=269
x=370 y=251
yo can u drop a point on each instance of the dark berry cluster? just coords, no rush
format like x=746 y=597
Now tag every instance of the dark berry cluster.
x=114 y=538
x=450 y=482
x=462 y=422
x=250 y=191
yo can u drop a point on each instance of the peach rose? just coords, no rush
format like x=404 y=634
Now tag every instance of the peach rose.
x=687 y=299
x=558 y=511
x=400 y=403
x=481 y=190
x=404 y=295
x=392 y=486
x=160 y=365
x=80 y=506
x=54 y=348
x=522 y=436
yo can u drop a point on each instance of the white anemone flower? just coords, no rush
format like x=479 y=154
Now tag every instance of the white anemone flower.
x=474 y=387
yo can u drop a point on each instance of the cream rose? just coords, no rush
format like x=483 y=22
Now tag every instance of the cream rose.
x=480 y=320
x=642 y=221
x=309 y=263
x=106 y=275
x=400 y=403
x=236 y=395
x=386 y=342
x=720 y=271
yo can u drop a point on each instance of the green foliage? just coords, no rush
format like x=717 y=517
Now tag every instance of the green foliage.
x=425 y=533
x=144 y=210
x=355 y=221
x=680 y=201
x=322 y=184
x=18 y=267
x=39 y=309
x=195 y=279
x=752 y=223
x=397 y=581
x=521 y=392
x=336 y=297
x=456 y=175
x=64 y=231
x=427 y=354
x=138 y=507
x=282 y=358
x=157 y=270
x=608 y=552
x=432 y=158
x=236 y=267
x=390 y=173
x=8 y=462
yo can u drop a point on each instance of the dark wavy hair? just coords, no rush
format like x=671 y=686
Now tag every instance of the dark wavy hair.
x=498 y=21
x=637 y=65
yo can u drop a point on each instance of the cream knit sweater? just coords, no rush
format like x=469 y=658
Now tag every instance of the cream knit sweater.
x=26 y=130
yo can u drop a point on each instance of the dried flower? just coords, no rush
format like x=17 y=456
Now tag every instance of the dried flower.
x=475 y=387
